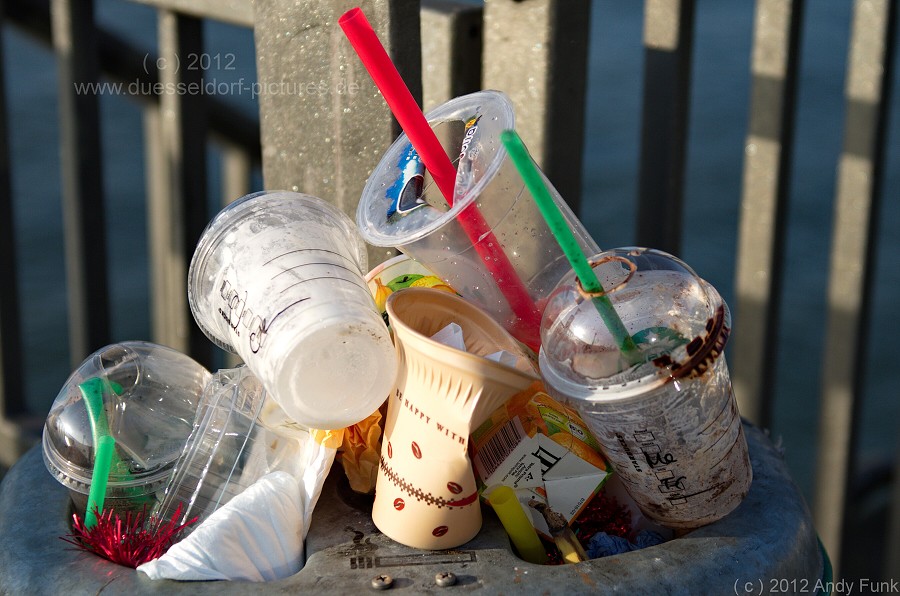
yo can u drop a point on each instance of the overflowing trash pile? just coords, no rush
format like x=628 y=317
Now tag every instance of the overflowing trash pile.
x=502 y=365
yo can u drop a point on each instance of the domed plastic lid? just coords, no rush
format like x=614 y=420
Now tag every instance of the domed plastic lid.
x=678 y=322
x=142 y=395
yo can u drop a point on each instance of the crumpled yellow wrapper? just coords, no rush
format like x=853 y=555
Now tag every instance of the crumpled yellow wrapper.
x=330 y=439
x=360 y=451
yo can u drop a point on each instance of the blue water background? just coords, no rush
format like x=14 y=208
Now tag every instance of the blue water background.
x=718 y=123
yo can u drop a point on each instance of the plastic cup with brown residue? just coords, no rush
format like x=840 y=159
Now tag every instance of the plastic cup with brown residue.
x=670 y=423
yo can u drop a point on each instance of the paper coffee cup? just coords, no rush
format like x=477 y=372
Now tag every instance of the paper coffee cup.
x=426 y=496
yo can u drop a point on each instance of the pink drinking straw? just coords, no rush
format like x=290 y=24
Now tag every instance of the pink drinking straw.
x=407 y=112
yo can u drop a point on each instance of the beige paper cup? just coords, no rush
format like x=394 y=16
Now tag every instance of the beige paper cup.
x=425 y=495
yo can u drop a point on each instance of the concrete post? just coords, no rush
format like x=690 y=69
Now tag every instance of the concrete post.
x=323 y=124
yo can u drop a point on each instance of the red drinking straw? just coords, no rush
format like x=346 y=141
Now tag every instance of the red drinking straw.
x=407 y=112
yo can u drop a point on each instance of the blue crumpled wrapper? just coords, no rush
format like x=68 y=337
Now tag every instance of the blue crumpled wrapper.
x=604 y=545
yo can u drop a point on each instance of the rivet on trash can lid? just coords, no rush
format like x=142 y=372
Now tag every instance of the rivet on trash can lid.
x=444 y=579
x=382 y=582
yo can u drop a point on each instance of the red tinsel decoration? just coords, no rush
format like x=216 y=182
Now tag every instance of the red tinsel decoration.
x=131 y=542
x=602 y=514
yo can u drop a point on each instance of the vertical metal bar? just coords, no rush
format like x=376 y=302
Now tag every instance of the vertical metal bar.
x=236 y=172
x=668 y=41
x=857 y=203
x=764 y=201
x=324 y=126
x=536 y=52
x=164 y=319
x=74 y=41
x=451 y=50
x=178 y=205
x=237 y=169
x=14 y=440
x=12 y=399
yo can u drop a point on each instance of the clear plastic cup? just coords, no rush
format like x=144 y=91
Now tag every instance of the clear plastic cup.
x=278 y=278
x=148 y=409
x=489 y=191
x=229 y=448
x=670 y=423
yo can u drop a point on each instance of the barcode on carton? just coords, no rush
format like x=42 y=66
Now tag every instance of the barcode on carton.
x=496 y=449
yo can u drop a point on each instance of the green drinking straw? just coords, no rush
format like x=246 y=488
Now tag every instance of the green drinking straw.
x=566 y=239
x=104 y=445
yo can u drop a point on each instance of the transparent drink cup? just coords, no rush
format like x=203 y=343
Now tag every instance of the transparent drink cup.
x=229 y=448
x=669 y=424
x=278 y=278
x=148 y=403
x=493 y=217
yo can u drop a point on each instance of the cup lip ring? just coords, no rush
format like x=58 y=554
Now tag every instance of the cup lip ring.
x=446 y=112
x=78 y=478
x=415 y=339
x=596 y=262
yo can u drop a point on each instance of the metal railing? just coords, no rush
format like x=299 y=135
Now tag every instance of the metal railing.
x=329 y=156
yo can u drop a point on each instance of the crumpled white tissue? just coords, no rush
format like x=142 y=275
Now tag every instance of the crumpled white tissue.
x=452 y=336
x=257 y=536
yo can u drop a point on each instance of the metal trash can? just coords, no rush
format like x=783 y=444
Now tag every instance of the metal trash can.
x=770 y=538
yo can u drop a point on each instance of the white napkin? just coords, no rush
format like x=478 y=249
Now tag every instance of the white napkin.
x=257 y=536
x=452 y=336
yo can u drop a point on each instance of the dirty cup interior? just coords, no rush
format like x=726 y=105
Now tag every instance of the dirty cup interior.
x=278 y=277
x=149 y=415
x=430 y=231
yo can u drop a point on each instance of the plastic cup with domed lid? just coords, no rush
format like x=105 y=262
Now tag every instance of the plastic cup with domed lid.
x=667 y=420
x=144 y=398
x=278 y=278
